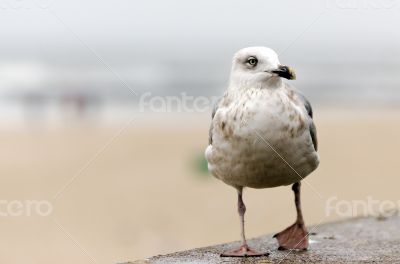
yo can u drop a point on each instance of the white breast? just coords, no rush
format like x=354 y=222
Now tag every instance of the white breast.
x=261 y=139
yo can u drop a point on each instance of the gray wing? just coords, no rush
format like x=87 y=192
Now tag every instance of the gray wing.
x=312 y=128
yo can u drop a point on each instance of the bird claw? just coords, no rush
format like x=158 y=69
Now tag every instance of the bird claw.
x=244 y=251
x=293 y=237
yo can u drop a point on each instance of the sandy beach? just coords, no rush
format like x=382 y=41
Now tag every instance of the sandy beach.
x=124 y=194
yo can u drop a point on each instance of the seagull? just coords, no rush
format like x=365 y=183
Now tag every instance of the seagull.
x=262 y=135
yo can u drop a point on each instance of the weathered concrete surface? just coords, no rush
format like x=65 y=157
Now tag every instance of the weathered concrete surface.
x=361 y=240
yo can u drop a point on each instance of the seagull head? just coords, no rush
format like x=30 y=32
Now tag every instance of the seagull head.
x=258 y=67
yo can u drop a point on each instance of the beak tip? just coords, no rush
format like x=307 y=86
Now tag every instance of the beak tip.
x=285 y=72
x=292 y=74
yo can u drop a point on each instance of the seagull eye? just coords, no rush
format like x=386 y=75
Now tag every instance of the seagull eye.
x=252 y=61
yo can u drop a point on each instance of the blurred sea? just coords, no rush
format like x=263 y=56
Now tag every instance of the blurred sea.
x=51 y=95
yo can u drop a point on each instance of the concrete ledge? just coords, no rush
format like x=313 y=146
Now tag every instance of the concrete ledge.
x=359 y=240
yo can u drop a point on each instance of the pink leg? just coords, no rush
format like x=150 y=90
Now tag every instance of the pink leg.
x=244 y=250
x=296 y=235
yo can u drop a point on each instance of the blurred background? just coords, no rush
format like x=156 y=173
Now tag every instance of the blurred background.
x=105 y=109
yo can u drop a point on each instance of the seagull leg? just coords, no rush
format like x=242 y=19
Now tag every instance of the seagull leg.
x=296 y=235
x=244 y=250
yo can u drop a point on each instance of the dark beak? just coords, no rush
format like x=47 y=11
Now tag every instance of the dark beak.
x=285 y=72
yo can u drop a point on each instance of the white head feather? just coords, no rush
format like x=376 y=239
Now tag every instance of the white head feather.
x=252 y=68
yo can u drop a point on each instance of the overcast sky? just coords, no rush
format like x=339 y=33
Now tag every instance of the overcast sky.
x=351 y=48
x=326 y=30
